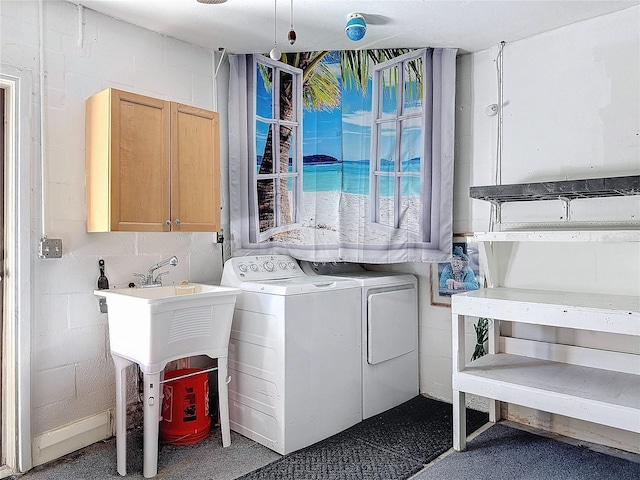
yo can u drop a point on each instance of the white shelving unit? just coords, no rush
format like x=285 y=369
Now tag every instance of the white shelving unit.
x=595 y=385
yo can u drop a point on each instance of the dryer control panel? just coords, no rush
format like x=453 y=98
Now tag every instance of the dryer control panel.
x=331 y=268
x=257 y=268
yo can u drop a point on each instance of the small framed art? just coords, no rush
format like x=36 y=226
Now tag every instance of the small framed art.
x=461 y=274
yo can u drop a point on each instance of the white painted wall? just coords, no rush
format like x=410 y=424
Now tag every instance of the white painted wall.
x=72 y=375
x=571 y=110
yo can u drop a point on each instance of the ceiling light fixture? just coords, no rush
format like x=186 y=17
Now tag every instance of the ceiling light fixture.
x=291 y=36
x=212 y=2
x=356 y=26
x=275 y=52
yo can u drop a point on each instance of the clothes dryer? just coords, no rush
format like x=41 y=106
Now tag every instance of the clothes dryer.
x=294 y=353
x=389 y=319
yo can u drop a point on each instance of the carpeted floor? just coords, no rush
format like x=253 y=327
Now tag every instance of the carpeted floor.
x=502 y=452
x=393 y=445
x=390 y=446
x=205 y=460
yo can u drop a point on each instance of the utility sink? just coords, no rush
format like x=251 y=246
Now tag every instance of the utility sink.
x=153 y=326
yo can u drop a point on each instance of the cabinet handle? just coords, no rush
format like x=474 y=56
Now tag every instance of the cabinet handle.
x=177 y=221
x=167 y=223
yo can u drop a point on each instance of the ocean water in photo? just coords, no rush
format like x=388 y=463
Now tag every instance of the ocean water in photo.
x=354 y=177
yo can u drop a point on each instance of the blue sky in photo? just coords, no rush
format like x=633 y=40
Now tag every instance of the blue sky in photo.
x=345 y=132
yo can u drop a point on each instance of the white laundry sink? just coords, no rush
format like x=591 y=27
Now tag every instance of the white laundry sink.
x=153 y=326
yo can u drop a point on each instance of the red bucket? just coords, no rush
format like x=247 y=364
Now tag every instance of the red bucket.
x=185 y=407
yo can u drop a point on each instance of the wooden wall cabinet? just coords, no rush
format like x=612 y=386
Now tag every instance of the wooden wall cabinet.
x=151 y=165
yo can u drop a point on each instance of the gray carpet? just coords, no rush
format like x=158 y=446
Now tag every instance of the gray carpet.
x=502 y=452
x=205 y=460
x=393 y=445
x=389 y=446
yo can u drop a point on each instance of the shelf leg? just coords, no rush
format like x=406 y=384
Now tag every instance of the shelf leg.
x=459 y=421
x=459 y=407
x=494 y=344
x=494 y=411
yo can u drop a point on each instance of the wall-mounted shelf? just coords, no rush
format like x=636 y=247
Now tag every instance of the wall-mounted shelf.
x=563 y=190
x=559 y=190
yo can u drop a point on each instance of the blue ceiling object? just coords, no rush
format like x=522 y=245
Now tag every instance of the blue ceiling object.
x=356 y=27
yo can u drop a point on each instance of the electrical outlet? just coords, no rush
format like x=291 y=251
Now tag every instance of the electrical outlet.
x=219 y=237
x=50 y=248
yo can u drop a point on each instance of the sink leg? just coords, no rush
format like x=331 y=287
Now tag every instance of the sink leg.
x=151 y=412
x=223 y=401
x=121 y=413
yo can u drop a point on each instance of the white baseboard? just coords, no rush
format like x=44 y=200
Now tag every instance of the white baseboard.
x=5 y=471
x=61 y=441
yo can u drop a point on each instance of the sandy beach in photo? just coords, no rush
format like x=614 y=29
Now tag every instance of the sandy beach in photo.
x=329 y=218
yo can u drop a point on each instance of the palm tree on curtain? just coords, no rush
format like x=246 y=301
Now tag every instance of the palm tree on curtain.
x=320 y=91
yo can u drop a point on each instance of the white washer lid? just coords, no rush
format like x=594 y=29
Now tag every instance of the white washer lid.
x=298 y=285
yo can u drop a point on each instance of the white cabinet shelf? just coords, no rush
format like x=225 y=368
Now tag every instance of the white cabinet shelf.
x=591 y=394
x=561 y=236
x=590 y=384
x=584 y=311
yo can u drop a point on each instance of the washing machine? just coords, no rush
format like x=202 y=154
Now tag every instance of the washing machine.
x=389 y=317
x=294 y=353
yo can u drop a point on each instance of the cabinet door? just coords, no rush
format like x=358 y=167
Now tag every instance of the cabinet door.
x=140 y=163
x=195 y=169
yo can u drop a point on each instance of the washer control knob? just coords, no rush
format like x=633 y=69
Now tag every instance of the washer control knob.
x=254 y=267
x=242 y=268
x=292 y=265
x=282 y=265
x=268 y=266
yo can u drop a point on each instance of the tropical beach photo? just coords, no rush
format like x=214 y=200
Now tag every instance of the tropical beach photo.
x=339 y=128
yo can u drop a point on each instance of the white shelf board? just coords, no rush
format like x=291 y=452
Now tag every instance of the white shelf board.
x=610 y=236
x=591 y=394
x=584 y=311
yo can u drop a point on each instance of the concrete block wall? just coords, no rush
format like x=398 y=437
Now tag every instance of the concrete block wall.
x=72 y=374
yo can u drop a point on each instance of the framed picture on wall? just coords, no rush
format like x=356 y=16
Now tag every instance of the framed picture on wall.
x=461 y=274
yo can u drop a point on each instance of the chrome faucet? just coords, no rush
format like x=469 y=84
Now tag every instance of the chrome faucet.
x=148 y=280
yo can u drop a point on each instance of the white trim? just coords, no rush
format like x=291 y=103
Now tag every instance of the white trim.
x=377 y=122
x=274 y=125
x=61 y=441
x=16 y=401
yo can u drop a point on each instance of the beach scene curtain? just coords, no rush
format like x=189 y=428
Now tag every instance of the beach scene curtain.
x=343 y=155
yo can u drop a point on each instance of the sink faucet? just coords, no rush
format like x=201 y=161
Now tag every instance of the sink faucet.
x=148 y=280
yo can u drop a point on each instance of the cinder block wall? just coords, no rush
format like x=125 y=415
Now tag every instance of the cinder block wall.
x=71 y=368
